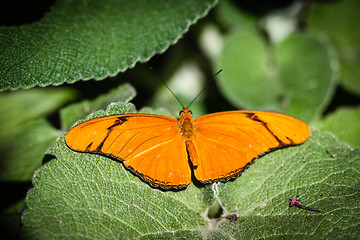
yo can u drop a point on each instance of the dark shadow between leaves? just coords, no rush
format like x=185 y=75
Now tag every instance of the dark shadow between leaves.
x=10 y=215
x=16 y=13
x=47 y=158
x=12 y=192
x=215 y=211
x=194 y=181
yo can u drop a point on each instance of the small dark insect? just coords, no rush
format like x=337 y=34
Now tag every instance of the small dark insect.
x=329 y=152
x=232 y=217
x=296 y=202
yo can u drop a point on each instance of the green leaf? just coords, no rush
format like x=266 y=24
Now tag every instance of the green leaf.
x=92 y=39
x=338 y=20
x=24 y=133
x=324 y=173
x=230 y=16
x=23 y=152
x=24 y=137
x=72 y=113
x=306 y=71
x=26 y=105
x=159 y=111
x=286 y=78
x=79 y=195
x=245 y=76
x=344 y=123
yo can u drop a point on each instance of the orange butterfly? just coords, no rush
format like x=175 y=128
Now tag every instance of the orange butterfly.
x=162 y=150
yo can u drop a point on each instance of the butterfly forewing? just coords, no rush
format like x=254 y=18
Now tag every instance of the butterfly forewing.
x=149 y=145
x=227 y=142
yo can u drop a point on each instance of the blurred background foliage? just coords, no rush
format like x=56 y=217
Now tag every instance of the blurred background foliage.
x=297 y=57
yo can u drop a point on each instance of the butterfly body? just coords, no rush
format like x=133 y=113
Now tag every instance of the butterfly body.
x=159 y=148
x=186 y=124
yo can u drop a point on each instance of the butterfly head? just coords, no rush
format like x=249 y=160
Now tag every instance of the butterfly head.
x=185 y=111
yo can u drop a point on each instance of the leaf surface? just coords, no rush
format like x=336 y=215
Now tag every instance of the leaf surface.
x=92 y=39
x=344 y=123
x=338 y=20
x=70 y=114
x=285 y=78
x=78 y=195
x=25 y=134
x=324 y=173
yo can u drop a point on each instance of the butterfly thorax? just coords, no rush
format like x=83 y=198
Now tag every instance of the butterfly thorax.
x=186 y=123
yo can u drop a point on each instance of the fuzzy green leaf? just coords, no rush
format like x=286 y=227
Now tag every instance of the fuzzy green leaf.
x=22 y=106
x=338 y=20
x=325 y=175
x=24 y=133
x=286 y=78
x=230 y=16
x=79 y=195
x=344 y=123
x=23 y=152
x=70 y=114
x=92 y=39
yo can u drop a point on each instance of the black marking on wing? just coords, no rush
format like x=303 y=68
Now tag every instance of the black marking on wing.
x=254 y=117
x=88 y=147
x=118 y=121
x=103 y=141
x=237 y=172
x=290 y=140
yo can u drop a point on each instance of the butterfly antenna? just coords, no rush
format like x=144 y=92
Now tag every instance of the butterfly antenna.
x=206 y=85
x=173 y=94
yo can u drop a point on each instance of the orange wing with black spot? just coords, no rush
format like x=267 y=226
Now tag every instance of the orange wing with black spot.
x=227 y=142
x=148 y=145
